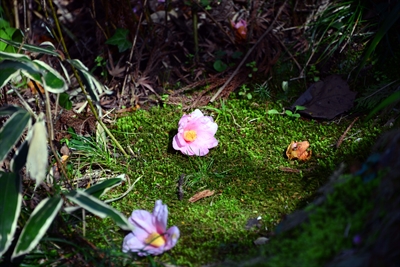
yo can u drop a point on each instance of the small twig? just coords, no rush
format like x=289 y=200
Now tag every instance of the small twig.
x=339 y=142
x=248 y=54
x=50 y=131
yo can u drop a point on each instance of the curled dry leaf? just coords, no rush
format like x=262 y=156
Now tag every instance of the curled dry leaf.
x=200 y=195
x=34 y=85
x=298 y=150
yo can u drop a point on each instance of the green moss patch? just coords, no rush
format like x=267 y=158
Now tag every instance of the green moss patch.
x=248 y=171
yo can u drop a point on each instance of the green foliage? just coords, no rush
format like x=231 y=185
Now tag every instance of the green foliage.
x=64 y=101
x=253 y=67
x=102 y=64
x=262 y=91
x=219 y=65
x=394 y=98
x=337 y=27
x=292 y=114
x=244 y=92
x=8 y=33
x=120 y=39
x=13 y=66
x=11 y=192
x=373 y=95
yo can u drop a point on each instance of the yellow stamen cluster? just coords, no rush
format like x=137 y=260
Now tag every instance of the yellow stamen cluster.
x=190 y=135
x=155 y=240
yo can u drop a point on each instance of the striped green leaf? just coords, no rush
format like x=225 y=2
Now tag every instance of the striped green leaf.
x=9 y=110
x=19 y=159
x=12 y=130
x=99 y=189
x=98 y=208
x=10 y=207
x=93 y=86
x=9 y=69
x=14 y=64
x=52 y=80
x=48 y=49
x=37 y=225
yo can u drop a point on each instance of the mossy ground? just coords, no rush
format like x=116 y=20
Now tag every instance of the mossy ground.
x=244 y=170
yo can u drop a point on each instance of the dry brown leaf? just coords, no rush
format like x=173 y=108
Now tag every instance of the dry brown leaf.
x=298 y=150
x=31 y=85
x=200 y=195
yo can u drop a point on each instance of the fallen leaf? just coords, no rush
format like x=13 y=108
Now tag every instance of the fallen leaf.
x=298 y=150
x=326 y=99
x=33 y=85
x=200 y=195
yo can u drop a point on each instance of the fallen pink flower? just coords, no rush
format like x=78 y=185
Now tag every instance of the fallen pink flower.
x=195 y=134
x=150 y=235
x=241 y=27
x=240 y=23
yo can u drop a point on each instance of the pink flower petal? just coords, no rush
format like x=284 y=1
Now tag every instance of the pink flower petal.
x=160 y=214
x=204 y=129
x=147 y=226
x=171 y=237
x=132 y=243
x=142 y=219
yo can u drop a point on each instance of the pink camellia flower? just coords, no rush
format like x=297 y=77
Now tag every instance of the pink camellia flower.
x=150 y=235
x=195 y=134
x=241 y=23
x=241 y=28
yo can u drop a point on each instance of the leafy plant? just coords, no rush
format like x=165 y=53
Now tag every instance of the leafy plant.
x=120 y=40
x=336 y=27
x=13 y=67
x=101 y=63
x=9 y=33
x=244 y=92
x=11 y=189
x=289 y=113
x=262 y=91
x=253 y=67
x=219 y=65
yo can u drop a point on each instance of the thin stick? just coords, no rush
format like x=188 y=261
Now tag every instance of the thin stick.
x=247 y=55
x=340 y=141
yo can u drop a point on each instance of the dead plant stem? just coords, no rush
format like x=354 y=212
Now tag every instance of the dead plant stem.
x=50 y=131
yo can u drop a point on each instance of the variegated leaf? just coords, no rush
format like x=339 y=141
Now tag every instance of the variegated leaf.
x=37 y=225
x=12 y=131
x=98 y=208
x=10 y=207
